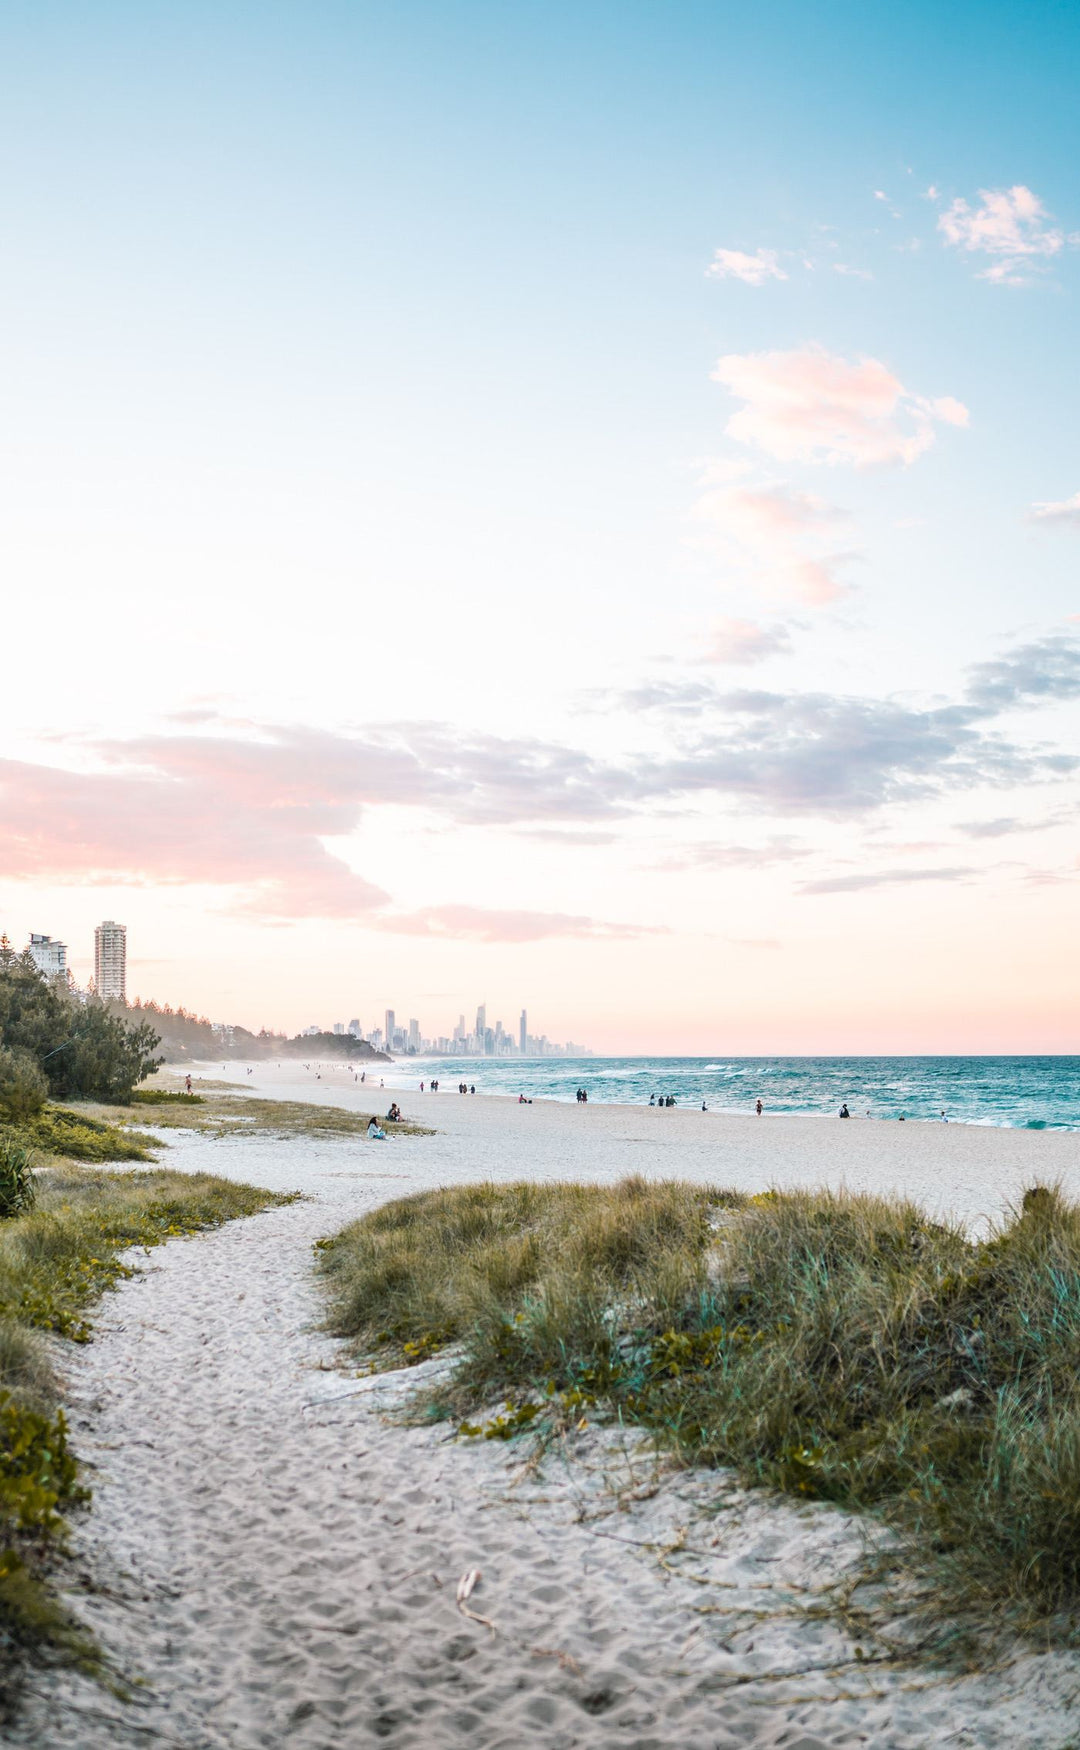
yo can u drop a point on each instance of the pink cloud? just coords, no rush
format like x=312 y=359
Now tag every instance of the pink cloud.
x=785 y=541
x=470 y=923
x=753 y=270
x=745 y=641
x=224 y=814
x=1009 y=224
x=810 y=405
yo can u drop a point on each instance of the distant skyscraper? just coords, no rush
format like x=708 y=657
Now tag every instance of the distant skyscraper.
x=391 y=1028
x=523 y=1033
x=354 y=1028
x=414 y=1035
x=481 y=1021
x=110 y=960
x=48 y=956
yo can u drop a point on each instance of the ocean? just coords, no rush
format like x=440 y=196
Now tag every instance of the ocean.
x=1034 y=1093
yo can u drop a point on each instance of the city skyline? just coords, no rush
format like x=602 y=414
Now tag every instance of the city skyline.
x=481 y=1041
x=49 y=954
x=578 y=503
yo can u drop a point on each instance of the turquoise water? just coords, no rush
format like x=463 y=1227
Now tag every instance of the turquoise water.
x=1026 y=1092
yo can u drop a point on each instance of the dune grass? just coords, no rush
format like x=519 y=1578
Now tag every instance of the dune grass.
x=59 y=1132
x=56 y=1259
x=217 y=1111
x=834 y=1346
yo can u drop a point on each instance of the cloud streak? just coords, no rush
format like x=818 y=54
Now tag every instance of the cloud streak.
x=261 y=811
x=883 y=878
x=470 y=923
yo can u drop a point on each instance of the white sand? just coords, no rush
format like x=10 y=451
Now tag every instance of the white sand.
x=281 y=1570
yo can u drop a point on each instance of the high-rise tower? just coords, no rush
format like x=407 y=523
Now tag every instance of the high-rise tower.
x=110 y=960
x=523 y=1034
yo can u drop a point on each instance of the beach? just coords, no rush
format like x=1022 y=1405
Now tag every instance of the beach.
x=274 y=1559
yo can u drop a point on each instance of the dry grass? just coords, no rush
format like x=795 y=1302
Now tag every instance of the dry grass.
x=834 y=1346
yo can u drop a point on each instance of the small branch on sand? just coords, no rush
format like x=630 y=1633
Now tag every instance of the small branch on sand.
x=465 y=1587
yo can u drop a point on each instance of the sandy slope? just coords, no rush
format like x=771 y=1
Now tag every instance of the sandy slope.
x=279 y=1561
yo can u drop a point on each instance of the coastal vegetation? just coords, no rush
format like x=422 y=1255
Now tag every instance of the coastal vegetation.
x=835 y=1346
x=55 y=1045
x=223 y=1108
x=190 y=1038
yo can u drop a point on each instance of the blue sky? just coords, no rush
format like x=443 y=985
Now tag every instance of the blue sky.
x=360 y=369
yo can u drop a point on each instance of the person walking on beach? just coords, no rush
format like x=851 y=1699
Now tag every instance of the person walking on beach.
x=759 y=1108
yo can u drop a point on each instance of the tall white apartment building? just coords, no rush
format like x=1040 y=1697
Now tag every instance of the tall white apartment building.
x=523 y=1033
x=110 y=960
x=48 y=956
x=390 y=1027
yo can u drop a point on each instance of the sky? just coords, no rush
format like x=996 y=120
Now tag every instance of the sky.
x=572 y=507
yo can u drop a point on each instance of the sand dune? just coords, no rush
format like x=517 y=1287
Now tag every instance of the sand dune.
x=278 y=1561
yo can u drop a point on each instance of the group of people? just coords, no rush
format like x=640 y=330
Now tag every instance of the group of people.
x=464 y=1087
x=582 y=1097
x=394 y=1114
x=433 y=1087
x=664 y=1100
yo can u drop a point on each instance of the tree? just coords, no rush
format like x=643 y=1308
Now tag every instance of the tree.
x=81 y=1049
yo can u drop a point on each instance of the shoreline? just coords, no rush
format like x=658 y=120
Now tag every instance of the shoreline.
x=971 y=1171
x=402 y=1083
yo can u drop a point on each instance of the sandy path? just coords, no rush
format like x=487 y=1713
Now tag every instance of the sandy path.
x=282 y=1571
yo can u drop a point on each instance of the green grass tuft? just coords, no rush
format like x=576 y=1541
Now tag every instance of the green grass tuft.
x=835 y=1346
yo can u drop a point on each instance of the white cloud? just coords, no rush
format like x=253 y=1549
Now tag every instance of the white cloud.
x=811 y=406
x=1008 y=224
x=753 y=270
x=855 y=273
x=1066 y=512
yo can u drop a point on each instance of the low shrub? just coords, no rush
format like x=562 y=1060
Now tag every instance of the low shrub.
x=17 y=1186
x=23 y=1087
x=76 y=1136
